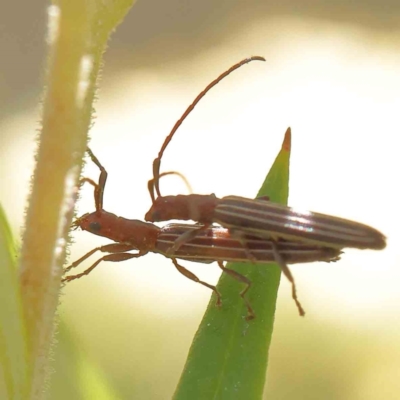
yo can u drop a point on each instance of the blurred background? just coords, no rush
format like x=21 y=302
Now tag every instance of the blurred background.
x=332 y=75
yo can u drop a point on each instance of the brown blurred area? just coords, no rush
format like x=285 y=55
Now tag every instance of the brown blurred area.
x=158 y=32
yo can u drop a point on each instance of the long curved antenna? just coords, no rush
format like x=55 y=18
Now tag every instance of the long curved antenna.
x=157 y=161
x=150 y=184
x=99 y=188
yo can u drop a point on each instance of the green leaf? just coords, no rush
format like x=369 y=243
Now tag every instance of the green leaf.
x=229 y=355
x=13 y=344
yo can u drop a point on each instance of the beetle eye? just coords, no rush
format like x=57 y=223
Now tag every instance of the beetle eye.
x=94 y=226
x=152 y=216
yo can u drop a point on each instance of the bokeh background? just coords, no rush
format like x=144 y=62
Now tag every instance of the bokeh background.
x=332 y=74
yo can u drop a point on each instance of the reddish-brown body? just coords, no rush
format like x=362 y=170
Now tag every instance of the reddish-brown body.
x=255 y=217
x=260 y=241
x=266 y=220
x=141 y=235
x=211 y=244
x=195 y=207
x=208 y=245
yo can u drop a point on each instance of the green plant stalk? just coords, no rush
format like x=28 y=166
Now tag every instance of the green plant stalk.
x=229 y=355
x=13 y=350
x=78 y=33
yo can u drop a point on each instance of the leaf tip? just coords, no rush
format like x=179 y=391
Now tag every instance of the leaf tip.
x=287 y=140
